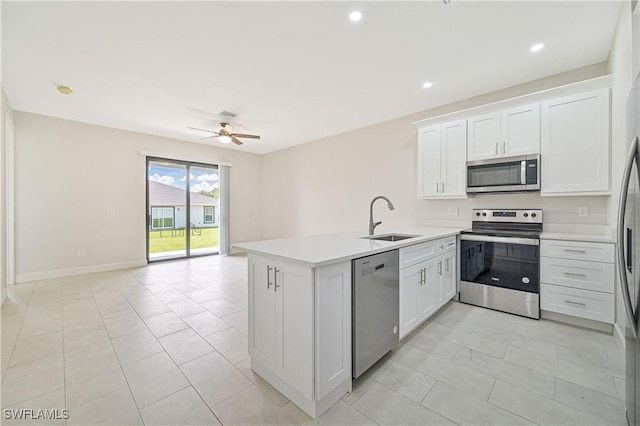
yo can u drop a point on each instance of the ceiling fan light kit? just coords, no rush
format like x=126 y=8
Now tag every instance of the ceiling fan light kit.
x=226 y=135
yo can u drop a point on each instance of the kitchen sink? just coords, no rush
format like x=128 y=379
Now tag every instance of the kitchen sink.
x=390 y=237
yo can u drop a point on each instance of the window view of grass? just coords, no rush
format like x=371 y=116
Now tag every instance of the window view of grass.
x=168 y=240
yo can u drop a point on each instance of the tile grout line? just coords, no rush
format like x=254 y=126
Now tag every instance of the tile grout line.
x=117 y=357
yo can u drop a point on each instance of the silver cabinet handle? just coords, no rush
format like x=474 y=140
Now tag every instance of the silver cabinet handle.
x=442 y=188
x=504 y=147
x=575 y=251
x=440 y=268
x=451 y=244
x=275 y=279
x=446 y=265
x=269 y=268
x=574 y=275
x=496 y=148
x=437 y=187
x=575 y=303
x=421 y=279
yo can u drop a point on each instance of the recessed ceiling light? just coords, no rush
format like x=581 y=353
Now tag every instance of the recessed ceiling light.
x=427 y=84
x=65 y=90
x=537 y=47
x=355 y=16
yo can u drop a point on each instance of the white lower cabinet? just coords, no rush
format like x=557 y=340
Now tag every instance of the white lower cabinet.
x=447 y=283
x=577 y=279
x=427 y=285
x=300 y=329
x=417 y=294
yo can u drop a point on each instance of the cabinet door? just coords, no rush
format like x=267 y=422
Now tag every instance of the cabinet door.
x=453 y=158
x=575 y=144
x=410 y=286
x=449 y=277
x=293 y=287
x=484 y=137
x=427 y=293
x=521 y=130
x=262 y=310
x=429 y=161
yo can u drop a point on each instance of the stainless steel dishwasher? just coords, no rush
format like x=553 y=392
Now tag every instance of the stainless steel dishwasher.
x=375 y=308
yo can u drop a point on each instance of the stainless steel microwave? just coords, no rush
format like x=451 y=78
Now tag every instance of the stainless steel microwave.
x=507 y=174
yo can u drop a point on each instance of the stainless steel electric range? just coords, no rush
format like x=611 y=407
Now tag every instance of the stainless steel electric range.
x=500 y=261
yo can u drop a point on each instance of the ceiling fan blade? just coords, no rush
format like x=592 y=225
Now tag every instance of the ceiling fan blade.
x=204 y=130
x=241 y=135
x=235 y=140
x=208 y=137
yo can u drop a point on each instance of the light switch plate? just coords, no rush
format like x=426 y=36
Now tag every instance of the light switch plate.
x=583 y=211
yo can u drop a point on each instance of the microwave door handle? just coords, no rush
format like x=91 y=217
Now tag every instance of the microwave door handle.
x=632 y=157
x=523 y=172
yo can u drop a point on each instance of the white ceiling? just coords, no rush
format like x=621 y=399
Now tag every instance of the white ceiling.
x=293 y=71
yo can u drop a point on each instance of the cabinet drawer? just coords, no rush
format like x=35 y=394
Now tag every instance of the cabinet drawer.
x=446 y=244
x=412 y=255
x=587 y=304
x=580 y=274
x=578 y=250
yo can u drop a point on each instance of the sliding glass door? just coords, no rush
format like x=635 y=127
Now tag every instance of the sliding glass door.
x=183 y=209
x=204 y=209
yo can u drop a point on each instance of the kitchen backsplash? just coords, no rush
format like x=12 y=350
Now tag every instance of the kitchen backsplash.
x=556 y=209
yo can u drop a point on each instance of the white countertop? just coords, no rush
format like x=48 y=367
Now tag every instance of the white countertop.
x=320 y=250
x=589 y=233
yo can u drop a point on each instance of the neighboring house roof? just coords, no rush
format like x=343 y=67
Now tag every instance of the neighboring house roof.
x=162 y=194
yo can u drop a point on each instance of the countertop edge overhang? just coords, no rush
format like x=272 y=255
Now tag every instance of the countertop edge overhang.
x=322 y=250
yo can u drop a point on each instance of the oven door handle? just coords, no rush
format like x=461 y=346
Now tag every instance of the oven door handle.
x=506 y=240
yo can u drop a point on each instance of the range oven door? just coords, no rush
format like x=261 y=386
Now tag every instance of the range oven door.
x=501 y=273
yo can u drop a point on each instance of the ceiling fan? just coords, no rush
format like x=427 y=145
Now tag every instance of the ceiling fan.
x=226 y=135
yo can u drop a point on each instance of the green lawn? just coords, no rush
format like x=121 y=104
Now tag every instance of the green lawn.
x=161 y=241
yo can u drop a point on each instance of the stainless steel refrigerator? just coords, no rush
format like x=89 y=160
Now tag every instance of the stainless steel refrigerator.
x=628 y=229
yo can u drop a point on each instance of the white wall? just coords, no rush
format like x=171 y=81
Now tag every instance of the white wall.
x=69 y=174
x=327 y=185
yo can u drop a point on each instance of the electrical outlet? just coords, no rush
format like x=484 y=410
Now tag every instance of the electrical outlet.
x=111 y=212
x=80 y=253
x=583 y=211
x=453 y=211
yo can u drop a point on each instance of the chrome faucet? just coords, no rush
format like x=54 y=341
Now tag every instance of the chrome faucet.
x=372 y=224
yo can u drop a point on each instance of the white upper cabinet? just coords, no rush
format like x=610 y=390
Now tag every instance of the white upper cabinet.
x=521 y=130
x=442 y=160
x=506 y=133
x=484 y=134
x=575 y=144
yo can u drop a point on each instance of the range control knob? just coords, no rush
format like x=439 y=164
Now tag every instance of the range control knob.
x=477 y=213
x=484 y=213
x=533 y=215
x=526 y=215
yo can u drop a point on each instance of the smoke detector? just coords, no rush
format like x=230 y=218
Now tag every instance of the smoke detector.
x=226 y=113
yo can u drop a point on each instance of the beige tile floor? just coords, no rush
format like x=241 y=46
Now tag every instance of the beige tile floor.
x=166 y=344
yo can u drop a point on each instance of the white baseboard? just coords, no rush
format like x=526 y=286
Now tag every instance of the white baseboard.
x=580 y=322
x=58 y=273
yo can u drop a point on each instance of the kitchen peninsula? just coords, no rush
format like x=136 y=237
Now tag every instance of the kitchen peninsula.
x=300 y=307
